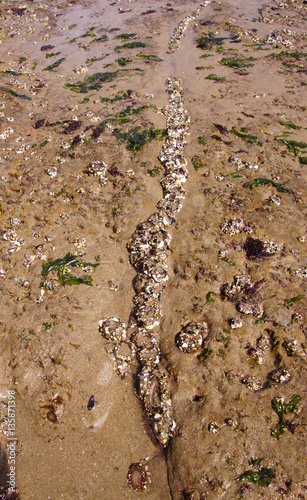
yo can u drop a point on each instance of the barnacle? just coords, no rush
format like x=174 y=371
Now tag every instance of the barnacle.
x=191 y=337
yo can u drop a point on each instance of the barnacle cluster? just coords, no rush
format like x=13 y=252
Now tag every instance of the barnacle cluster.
x=120 y=347
x=191 y=337
x=178 y=33
x=244 y=294
x=148 y=255
x=147 y=249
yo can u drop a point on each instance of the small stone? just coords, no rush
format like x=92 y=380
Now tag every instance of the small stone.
x=279 y=376
x=213 y=427
x=235 y=323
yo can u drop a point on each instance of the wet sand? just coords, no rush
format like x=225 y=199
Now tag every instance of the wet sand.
x=243 y=75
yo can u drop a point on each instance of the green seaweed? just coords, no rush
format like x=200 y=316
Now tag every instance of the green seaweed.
x=232 y=62
x=125 y=36
x=232 y=175
x=130 y=45
x=201 y=140
x=220 y=337
x=303 y=160
x=292 y=146
x=123 y=61
x=289 y=302
x=209 y=297
x=209 y=41
x=216 y=78
x=22 y=59
x=262 y=478
x=263 y=181
x=93 y=82
x=62 y=190
x=102 y=38
x=197 y=163
x=255 y=462
x=290 y=125
x=282 y=409
x=204 y=355
x=119 y=118
x=284 y=53
x=94 y=59
x=149 y=57
x=136 y=138
x=260 y=320
x=52 y=54
x=54 y=65
x=48 y=326
x=119 y=97
x=230 y=262
x=21 y=96
x=9 y=72
x=155 y=171
x=252 y=139
x=62 y=267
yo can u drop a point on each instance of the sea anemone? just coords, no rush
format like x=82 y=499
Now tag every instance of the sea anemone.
x=138 y=477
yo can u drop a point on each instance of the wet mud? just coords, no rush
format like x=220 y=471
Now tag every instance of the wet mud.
x=83 y=123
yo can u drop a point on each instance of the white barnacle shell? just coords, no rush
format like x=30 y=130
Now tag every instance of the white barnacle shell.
x=112 y=329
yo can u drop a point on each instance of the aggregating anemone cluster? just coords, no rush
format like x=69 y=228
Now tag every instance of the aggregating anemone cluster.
x=147 y=249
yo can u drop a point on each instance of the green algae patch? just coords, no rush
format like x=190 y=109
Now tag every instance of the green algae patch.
x=119 y=118
x=232 y=62
x=290 y=125
x=119 y=97
x=62 y=267
x=93 y=82
x=282 y=409
x=9 y=72
x=294 y=147
x=91 y=60
x=149 y=57
x=251 y=139
x=130 y=45
x=54 y=65
x=125 y=36
x=262 y=478
x=263 y=181
x=291 y=301
x=21 y=96
x=295 y=55
x=52 y=54
x=210 y=297
x=197 y=162
x=102 y=38
x=232 y=175
x=216 y=78
x=209 y=41
x=154 y=171
x=136 y=138
x=123 y=61
x=204 y=355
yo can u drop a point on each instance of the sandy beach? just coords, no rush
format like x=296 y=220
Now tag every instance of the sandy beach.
x=153 y=250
